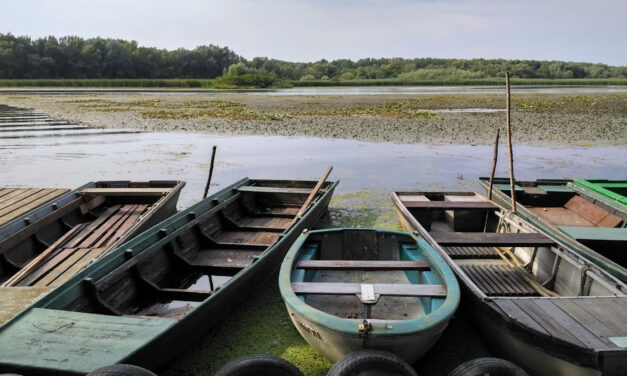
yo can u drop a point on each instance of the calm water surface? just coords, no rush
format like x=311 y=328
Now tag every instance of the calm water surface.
x=71 y=161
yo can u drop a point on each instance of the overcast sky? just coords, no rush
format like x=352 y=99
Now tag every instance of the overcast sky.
x=298 y=30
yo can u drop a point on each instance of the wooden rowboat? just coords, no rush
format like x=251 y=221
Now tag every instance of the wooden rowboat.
x=48 y=245
x=535 y=301
x=15 y=202
x=589 y=222
x=350 y=289
x=150 y=298
x=615 y=190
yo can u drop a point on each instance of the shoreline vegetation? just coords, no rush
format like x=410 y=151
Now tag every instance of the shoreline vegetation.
x=72 y=61
x=217 y=84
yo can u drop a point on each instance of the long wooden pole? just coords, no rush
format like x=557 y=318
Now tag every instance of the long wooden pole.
x=509 y=144
x=213 y=158
x=496 y=154
x=313 y=193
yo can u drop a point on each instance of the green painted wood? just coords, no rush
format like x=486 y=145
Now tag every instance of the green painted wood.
x=555 y=188
x=609 y=188
x=75 y=341
x=595 y=233
x=507 y=188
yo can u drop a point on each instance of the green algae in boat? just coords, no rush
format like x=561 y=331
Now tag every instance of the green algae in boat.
x=533 y=300
x=149 y=299
x=350 y=289
x=614 y=189
x=590 y=223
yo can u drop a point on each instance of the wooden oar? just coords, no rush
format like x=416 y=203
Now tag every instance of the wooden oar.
x=313 y=193
x=37 y=261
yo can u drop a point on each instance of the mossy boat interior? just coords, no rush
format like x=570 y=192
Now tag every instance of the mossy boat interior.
x=350 y=289
x=153 y=296
x=586 y=220
x=534 y=300
x=49 y=244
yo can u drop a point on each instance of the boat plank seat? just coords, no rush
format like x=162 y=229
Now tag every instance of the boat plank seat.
x=534 y=191
x=253 y=238
x=450 y=205
x=227 y=262
x=288 y=212
x=126 y=191
x=531 y=239
x=362 y=265
x=461 y=252
x=387 y=289
x=586 y=322
x=265 y=223
x=499 y=280
x=258 y=189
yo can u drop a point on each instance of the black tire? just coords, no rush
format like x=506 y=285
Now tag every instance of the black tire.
x=371 y=363
x=492 y=366
x=121 y=370
x=259 y=365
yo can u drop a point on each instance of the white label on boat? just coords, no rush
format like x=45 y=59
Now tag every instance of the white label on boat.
x=618 y=341
x=367 y=292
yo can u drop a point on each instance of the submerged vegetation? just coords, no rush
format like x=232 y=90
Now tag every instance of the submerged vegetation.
x=96 y=62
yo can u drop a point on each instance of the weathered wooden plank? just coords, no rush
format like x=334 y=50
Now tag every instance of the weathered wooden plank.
x=596 y=308
x=572 y=326
x=518 y=315
x=492 y=239
x=92 y=204
x=125 y=224
x=126 y=191
x=450 y=205
x=31 y=203
x=225 y=258
x=46 y=266
x=16 y=195
x=247 y=238
x=552 y=325
x=329 y=288
x=258 y=189
x=61 y=267
x=264 y=223
x=363 y=265
x=92 y=226
x=15 y=299
x=591 y=322
x=89 y=256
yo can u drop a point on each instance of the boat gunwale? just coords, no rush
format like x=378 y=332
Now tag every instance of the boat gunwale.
x=348 y=326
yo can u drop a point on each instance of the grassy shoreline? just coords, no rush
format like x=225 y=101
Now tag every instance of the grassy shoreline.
x=209 y=84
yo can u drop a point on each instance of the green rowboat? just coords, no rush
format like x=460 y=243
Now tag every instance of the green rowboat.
x=613 y=189
x=350 y=289
x=149 y=299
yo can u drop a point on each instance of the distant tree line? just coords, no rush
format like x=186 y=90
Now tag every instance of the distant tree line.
x=75 y=57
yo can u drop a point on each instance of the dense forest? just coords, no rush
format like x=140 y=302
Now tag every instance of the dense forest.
x=73 y=57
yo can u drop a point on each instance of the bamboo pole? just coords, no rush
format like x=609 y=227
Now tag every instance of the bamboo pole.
x=509 y=144
x=496 y=153
x=213 y=157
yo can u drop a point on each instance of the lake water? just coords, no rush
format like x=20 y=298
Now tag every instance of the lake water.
x=73 y=159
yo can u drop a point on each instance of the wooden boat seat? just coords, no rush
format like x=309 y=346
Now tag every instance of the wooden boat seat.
x=464 y=252
x=499 y=279
x=258 y=189
x=225 y=262
x=450 y=205
x=363 y=265
x=246 y=238
x=492 y=239
x=271 y=224
x=388 y=289
x=126 y=191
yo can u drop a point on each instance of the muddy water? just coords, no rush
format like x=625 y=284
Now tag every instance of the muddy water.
x=381 y=167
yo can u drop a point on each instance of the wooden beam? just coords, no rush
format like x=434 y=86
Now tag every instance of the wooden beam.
x=388 y=289
x=362 y=265
x=450 y=205
x=491 y=239
x=126 y=191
